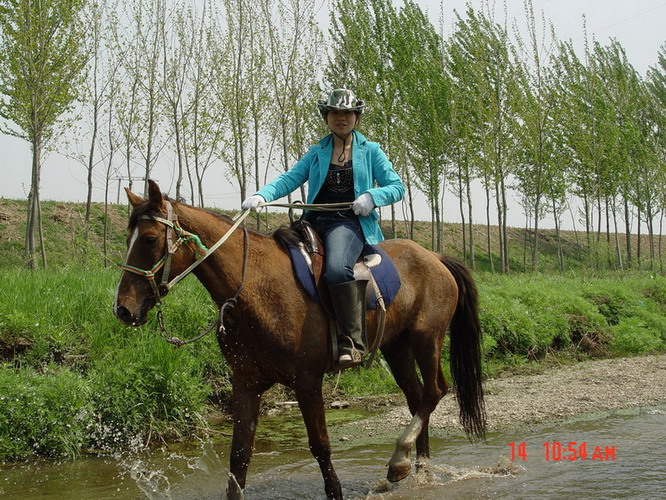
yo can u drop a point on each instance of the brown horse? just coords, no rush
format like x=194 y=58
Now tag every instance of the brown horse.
x=277 y=334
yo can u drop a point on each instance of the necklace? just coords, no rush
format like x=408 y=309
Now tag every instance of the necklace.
x=343 y=151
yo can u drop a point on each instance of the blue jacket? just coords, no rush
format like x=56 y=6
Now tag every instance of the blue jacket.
x=370 y=165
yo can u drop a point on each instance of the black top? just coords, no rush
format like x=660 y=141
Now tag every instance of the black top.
x=338 y=186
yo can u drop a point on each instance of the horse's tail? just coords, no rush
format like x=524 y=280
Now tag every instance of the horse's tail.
x=465 y=351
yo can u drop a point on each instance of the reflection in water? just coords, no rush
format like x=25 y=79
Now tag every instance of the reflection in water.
x=284 y=469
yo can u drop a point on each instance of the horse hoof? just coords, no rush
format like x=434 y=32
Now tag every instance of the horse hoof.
x=398 y=472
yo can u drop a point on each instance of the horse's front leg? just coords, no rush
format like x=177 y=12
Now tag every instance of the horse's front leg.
x=245 y=406
x=311 y=403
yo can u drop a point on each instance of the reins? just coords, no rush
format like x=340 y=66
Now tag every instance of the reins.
x=172 y=226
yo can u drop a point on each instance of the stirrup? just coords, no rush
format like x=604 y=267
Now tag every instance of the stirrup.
x=350 y=357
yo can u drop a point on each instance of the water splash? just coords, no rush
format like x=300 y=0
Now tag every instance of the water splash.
x=152 y=483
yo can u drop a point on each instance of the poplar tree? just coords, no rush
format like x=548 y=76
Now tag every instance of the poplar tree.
x=423 y=91
x=656 y=86
x=40 y=74
x=239 y=92
x=483 y=97
x=535 y=114
x=205 y=122
x=362 y=32
x=463 y=66
x=294 y=55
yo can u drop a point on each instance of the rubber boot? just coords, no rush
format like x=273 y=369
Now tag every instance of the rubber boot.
x=349 y=305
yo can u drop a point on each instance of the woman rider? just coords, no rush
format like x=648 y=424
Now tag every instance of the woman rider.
x=343 y=167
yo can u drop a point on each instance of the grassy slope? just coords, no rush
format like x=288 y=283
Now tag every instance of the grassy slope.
x=63 y=229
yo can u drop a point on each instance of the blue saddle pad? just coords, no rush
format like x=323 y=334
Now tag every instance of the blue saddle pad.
x=386 y=275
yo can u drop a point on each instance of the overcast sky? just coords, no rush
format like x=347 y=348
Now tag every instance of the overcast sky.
x=639 y=26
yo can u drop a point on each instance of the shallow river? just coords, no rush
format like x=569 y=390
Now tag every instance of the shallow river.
x=616 y=456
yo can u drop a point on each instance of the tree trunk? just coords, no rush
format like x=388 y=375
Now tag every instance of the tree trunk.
x=500 y=232
x=179 y=151
x=438 y=226
x=627 y=230
x=535 y=247
x=638 y=243
x=661 y=232
x=472 y=263
x=618 y=248
x=575 y=230
x=650 y=225
x=526 y=238
x=505 y=236
x=462 y=216
x=432 y=223
x=537 y=205
x=488 y=242
x=91 y=163
x=560 y=254
x=588 y=225
x=33 y=218
x=411 y=207
x=608 y=237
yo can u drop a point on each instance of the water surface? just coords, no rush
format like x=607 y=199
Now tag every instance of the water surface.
x=629 y=465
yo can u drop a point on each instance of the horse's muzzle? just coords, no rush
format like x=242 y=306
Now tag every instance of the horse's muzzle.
x=126 y=316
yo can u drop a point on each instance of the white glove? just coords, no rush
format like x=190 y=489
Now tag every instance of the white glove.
x=253 y=202
x=363 y=205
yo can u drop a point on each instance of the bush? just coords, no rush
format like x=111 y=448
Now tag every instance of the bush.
x=534 y=314
x=43 y=414
x=639 y=335
x=634 y=310
x=148 y=387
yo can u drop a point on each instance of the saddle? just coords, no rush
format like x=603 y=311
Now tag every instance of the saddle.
x=308 y=255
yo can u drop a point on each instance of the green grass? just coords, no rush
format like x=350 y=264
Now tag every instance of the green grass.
x=533 y=315
x=133 y=384
x=47 y=413
x=374 y=381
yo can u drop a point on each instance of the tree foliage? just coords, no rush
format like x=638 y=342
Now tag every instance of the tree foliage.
x=231 y=86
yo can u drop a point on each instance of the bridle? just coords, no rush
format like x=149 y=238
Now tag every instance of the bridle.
x=201 y=253
x=183 y=237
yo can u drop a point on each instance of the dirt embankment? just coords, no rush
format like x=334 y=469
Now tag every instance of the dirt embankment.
x=559 y=393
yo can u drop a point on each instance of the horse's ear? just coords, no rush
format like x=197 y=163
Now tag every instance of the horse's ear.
x=135 y=200
x=155 y=196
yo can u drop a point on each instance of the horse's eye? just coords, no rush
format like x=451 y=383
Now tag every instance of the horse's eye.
x=150 y=240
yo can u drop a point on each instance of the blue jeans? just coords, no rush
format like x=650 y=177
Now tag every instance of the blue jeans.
x=343 y=242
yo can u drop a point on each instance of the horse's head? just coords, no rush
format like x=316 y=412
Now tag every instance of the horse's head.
x=152 y=256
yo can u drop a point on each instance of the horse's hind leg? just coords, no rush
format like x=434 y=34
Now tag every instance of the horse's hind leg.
x=245 y=402
x=422 y=398
x=400 y=359
x=311 y=403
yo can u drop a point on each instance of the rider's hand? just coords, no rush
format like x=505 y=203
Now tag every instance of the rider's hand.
x=253 y=202
x=363 y=205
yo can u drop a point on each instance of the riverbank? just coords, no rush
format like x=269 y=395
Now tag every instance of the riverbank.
x=559 y=393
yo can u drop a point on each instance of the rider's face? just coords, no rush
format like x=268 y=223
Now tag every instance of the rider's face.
x=341 y=122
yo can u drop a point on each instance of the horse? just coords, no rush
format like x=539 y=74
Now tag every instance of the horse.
x=276 y=333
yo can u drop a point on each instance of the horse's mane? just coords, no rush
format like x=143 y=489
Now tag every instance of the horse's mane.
x=139 y=212
x=287 y=237
x=145 y=208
